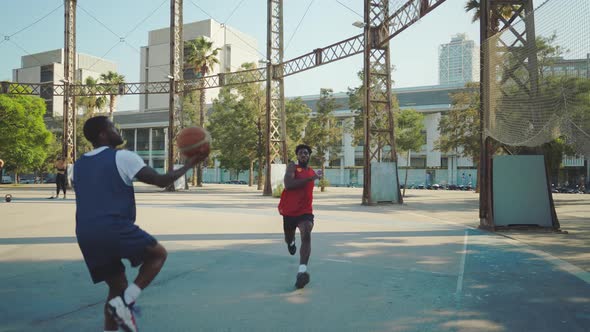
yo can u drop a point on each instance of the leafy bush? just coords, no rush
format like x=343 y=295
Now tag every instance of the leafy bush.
x=278 y=191
x=323 y=183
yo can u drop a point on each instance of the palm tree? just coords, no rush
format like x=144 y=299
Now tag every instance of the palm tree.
x=506 y=12
x=91 y=103
x=112 y=78
x=473 y=5
x=201 y=57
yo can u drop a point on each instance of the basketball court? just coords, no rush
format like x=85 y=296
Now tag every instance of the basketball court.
x=417 y=267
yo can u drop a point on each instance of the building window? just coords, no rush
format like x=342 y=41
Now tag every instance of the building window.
x=143 y=139
x=158 y=140
x=418 y=162
x=444 y=162
x=46 y=91
x=227 y=58
x=359 y=162
x=129 y=137
x=158 y=164
x=47 y=73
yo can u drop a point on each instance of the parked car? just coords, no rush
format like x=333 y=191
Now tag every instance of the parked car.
x=6 y=179
x=50 y=178
x=27 y=179
x=236 y=182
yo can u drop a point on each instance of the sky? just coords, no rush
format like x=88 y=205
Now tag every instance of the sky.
x=100 y=24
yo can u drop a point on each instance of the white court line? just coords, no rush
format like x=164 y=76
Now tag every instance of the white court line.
x=337 y=260
x=558 y=262
x=462 y=266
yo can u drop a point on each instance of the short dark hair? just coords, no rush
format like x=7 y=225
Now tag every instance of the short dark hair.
x=94 y=126
x=303 y=146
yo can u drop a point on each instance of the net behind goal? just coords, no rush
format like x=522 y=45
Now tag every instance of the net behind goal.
x=538 y=76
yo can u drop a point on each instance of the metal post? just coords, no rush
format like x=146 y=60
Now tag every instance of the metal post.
x=276 y=146
x=366 y=103
x=378 y=115
x=69 y=108
x=531 y=37
x=176 y=49
x=483 y=58
x=491 y=23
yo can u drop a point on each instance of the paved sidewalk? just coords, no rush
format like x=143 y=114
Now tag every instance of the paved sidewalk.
x=422 y=266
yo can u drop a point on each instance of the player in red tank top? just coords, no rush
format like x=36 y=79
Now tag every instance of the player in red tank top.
x=296 y=208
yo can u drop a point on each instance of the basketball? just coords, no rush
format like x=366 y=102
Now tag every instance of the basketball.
x=193 y=140
x=1 y=163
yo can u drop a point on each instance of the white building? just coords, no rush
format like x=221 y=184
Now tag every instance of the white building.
x=458 y=61
x=432 y=101
x=47 y=67
x=236 y=48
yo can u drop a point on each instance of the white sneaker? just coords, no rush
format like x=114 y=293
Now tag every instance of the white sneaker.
x=122 y=314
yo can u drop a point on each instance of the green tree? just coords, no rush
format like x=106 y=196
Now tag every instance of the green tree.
x=91 y=104
x=564 y=96
x=409 y=134
x=503 y=10
x=356 y=104
x=459 y=127
x=113 y=91
x=233 y=132
x=298 y=115
x=202 y=57
x=24 y=139
x=323 y=133
x=249 y=112
x=253 y=102
x=54 y=150
x=570 y=98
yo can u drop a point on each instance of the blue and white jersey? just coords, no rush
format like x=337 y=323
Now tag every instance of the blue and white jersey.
x=104 y=188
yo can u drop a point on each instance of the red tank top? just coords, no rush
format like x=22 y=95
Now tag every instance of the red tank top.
x=298 y=201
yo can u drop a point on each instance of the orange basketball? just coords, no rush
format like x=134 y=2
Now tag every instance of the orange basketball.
x=193 y=140
x=1 y=163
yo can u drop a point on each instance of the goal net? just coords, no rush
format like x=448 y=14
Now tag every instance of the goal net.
x=538 y=78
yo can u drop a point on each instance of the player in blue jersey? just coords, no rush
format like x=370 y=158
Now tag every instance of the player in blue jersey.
x=105 y=219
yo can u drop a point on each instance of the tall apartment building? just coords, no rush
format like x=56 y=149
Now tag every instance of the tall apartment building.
x=235 y=47
x=47 y=68
x=458 y=61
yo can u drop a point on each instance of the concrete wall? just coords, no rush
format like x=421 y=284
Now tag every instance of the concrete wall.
x=94 y=65
x=58 y=101
x=27 y=75
x=40 y=59
x=343 y=177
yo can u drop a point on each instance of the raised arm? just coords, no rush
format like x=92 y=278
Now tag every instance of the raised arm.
x=291 y=182
x=150 y=176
